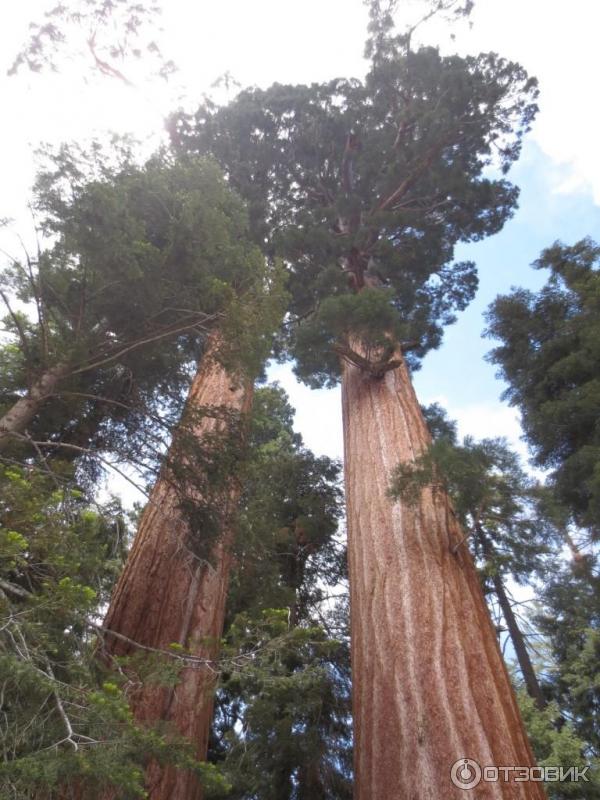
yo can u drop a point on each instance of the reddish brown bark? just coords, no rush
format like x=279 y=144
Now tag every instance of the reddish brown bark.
x=430 y=686
x=168 y=594
x=578 y=557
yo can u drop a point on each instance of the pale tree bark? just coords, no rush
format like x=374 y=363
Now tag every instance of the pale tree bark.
x=15 y=421
x=167 y=594
x=580 y=561
x=429 y=682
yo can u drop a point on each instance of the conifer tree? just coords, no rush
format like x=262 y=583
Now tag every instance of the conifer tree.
x=173 y=589
x=282 y=728
x=569 y=618
x=149 y=270
x=549 y=357
x=365 y=187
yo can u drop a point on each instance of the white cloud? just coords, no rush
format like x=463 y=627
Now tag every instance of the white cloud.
x=485 y=421
x=318 y=412
x=556 y=42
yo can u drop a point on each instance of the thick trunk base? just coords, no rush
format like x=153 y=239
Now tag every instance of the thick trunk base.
x=430 y=685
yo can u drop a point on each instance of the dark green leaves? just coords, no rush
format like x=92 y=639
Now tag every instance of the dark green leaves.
x=550 y=357
x=372 y=184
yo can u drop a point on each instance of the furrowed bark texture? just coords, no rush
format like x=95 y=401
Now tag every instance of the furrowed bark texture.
x=167 y=594
x=429 y=682
x=18 y=417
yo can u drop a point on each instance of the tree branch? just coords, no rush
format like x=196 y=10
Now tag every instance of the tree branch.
x=140 y=342
x=376 y=368
x=19 y=327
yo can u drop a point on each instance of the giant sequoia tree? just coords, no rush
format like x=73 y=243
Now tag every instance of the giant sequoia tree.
x=516 y=535
x=172 y=591
x=365 y=187
x=150 y=270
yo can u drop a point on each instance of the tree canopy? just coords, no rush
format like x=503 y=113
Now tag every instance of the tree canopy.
x=137 y=265
x=550 y=355
x=364 y=187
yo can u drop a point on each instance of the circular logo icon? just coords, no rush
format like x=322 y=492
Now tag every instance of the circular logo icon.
x=465 y=773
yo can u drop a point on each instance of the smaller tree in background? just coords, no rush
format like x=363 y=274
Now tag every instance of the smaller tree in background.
x=550 y=357
x=282 y=728
x=569 y=618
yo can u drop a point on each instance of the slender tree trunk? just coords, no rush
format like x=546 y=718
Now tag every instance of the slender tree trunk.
x=167 y=594
x=518 y=640
x=429 y=682
x=531 y=682
x=20 y=415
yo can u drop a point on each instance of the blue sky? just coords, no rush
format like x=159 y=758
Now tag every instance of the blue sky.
x=458 y=370
x=457 y=374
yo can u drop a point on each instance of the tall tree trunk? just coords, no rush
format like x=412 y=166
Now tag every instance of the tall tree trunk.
x=19 y=416
x=167 y=594
x=518 y=640
x=429 y=682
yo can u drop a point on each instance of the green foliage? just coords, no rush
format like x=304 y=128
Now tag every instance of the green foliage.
x=142 y=263
x=204 y=470
x=159 y=246
x=282 y=719
x=368 y=317
x=550 y=355
x=360 y=184
x=570 y=619
x=62 y=721
x=290 y=511
x=295 y=740
x=556 y=744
